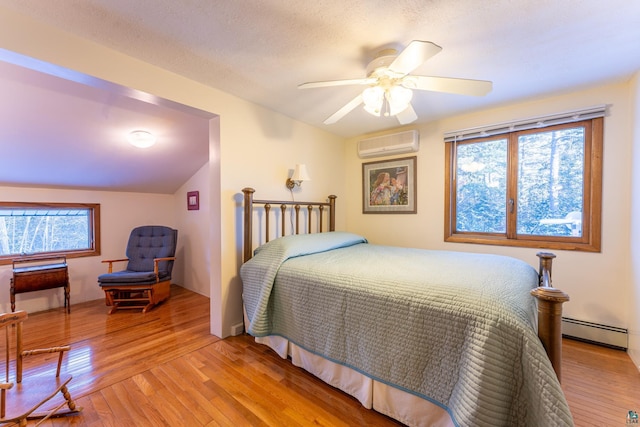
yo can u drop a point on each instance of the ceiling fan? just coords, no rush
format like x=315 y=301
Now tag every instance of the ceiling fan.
x=390 y=84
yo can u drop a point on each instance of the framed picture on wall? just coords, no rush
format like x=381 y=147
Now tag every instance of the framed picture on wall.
x=193 y=200
x=389 y=186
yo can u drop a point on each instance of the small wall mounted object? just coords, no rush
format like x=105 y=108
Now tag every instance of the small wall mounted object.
x=193 y=200
x=299 y=174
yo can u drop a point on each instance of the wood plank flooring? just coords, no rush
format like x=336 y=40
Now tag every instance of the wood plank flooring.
x=164 y=368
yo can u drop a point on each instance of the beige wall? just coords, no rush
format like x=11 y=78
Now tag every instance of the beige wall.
x=258 y=150
x=633 y=297
x=119 y=212
x=250 y=146
x=599 y=283
x=193 y=235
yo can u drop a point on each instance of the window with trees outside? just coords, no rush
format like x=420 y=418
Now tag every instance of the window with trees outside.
x=539 y=187
x=28 y=229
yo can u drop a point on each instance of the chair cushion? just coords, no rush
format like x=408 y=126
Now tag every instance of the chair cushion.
x=131 y=277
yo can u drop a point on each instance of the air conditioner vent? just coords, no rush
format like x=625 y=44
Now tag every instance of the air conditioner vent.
x=387 y=145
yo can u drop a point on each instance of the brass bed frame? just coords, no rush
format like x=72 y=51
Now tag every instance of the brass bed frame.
x=550 y=299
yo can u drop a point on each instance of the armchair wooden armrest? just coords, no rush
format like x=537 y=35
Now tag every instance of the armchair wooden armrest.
x=111 y=261
x=156 y=261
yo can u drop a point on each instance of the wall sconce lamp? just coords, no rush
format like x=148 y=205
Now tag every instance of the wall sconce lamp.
x=299 y=174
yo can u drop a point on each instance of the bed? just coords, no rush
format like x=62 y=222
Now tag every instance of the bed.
x=433 y=338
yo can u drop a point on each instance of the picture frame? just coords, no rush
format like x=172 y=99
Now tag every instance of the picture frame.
x=193 y=200
x=389 y=186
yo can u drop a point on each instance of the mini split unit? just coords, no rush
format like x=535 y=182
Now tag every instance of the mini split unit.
x=387 y=145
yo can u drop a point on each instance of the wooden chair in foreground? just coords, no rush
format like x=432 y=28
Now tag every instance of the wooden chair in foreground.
x=146 y=281
x=21 y=398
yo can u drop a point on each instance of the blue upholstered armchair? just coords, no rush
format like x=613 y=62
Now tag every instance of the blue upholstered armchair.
x=146 y=281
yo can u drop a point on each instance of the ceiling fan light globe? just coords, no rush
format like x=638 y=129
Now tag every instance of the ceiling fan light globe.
x=373 y=98
x=399 y=98
x=372 y=111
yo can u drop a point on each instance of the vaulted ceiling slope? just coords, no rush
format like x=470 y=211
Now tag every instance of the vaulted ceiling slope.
x=59 y=133
x=262 y=50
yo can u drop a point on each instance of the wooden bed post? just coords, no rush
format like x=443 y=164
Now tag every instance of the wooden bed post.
x=248 y=216
x=550 y=302
x=332 y=213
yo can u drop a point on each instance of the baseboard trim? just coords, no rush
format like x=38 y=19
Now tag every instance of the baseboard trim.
x=237 y=329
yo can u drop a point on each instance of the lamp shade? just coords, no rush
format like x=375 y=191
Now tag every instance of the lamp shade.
x=300 y=173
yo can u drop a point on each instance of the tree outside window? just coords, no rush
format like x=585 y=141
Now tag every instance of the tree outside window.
x=536 y=188
x=28 y=229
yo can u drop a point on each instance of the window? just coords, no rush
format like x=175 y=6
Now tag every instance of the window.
x=48 y=229
x=539 y=187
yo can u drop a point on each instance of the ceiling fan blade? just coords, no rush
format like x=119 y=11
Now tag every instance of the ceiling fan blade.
x=449 y=85
x=407 y=115
x=344 y=110
x=346 y=82
x=413 y=56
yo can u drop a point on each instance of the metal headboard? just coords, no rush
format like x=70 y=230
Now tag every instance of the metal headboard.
x=250 y=202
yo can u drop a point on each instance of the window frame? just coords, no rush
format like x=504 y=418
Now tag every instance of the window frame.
x=94 y=229
x=590 y=240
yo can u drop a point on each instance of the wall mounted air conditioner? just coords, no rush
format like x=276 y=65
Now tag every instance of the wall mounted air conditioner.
x=387 y=145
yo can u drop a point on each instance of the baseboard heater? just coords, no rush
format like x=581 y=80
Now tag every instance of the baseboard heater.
x=596 y=333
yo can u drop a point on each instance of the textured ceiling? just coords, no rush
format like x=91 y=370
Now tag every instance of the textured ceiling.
x=261 y=50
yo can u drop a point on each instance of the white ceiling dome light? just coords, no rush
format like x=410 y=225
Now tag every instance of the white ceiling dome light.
x=141 y=139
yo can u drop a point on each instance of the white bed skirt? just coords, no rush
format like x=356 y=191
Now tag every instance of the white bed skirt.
x=395 y=403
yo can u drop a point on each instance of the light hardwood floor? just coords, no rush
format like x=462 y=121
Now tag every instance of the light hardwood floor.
x=164 y=368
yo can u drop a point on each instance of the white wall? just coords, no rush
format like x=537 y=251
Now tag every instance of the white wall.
x=598 y=283
x=250 y=146
x=193 y=235
x=119 y=212
x=633 y=299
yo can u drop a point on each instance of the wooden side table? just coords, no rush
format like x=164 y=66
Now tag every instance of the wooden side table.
x=38 y=273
